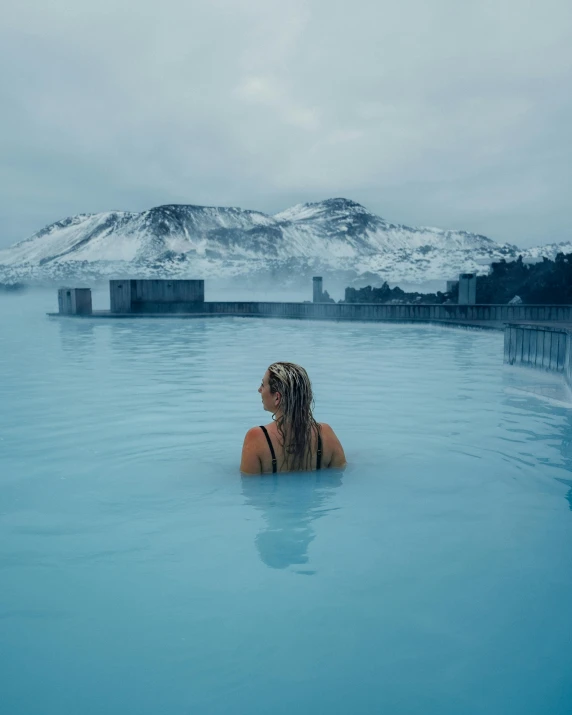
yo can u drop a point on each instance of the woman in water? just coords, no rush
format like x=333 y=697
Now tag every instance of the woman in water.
x=293 y=441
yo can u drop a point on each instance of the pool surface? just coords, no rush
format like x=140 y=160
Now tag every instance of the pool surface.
x=139 y=573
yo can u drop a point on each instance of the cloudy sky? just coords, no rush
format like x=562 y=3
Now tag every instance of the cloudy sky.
x=428 y=112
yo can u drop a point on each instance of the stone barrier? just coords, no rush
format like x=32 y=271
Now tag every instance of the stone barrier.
x=539 y=346
x=398 y=312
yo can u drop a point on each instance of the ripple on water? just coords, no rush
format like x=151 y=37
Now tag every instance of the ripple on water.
x=143 y=574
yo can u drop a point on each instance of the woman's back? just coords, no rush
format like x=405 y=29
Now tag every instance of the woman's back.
x=293 y=441
x=258 y=457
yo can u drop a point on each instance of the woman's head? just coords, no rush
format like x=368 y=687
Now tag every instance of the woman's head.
x=289 y=389
x=286 y=391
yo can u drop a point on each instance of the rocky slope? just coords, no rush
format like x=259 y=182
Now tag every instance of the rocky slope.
x=337 y=238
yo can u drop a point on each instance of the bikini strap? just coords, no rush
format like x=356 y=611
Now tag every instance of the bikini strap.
x=319 y=457
x=274 y=463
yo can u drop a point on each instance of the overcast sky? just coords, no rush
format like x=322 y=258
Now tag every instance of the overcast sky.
x=428 y=112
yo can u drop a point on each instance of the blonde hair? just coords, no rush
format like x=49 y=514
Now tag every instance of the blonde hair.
x=296 y=423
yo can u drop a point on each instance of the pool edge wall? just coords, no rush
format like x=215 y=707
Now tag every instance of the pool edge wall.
x=540 y=346
x=397 y=312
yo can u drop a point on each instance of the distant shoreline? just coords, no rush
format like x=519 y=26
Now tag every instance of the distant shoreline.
x=13 y=287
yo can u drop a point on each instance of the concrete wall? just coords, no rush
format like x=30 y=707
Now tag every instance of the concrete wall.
x=317 y=286
x=156 y=296
x=537 y=346
x=467 y=289
x=168 y=291
x=120 y=296
x=74 y=301
x=64 y=301
x=150 y=306
x=377 y=311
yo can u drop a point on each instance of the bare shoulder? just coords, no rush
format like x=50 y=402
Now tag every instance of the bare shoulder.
x=328 y=434
x=250 y=461
x=255 y=436
x=338 y=458
x=255 y=439
x=326 y=430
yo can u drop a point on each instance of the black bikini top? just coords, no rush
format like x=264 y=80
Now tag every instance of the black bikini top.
x=274 y=462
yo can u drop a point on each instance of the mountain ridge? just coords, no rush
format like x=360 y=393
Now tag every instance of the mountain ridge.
x=337 y=237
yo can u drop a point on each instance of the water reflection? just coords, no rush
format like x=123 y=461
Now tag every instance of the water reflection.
x=290 y=503
x=150 y=335
x=568 y=495
x=162 y=352
x=566 y=450
x=77 y=336
x=540 y=423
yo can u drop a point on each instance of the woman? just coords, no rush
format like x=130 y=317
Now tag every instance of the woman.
x=294 y=441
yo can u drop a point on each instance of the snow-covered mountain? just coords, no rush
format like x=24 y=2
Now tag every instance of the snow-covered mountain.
x=336 y=238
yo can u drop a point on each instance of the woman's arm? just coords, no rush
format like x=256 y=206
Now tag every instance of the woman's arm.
x=338 y=459
x=250 y=461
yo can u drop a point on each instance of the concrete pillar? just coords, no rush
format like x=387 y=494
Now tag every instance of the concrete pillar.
x=120 y=296
x=64 y=301
x=74 y=301
x=467 y=289
x=317 y=282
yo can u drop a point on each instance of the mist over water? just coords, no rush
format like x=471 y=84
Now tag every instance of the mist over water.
x=261 y=289
x=215 y=290
x=265 y=290
x=140 y=573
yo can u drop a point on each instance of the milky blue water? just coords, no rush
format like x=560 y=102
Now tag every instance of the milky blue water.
x=139 y=573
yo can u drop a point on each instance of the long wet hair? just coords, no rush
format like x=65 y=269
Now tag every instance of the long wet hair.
x=297 y=423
